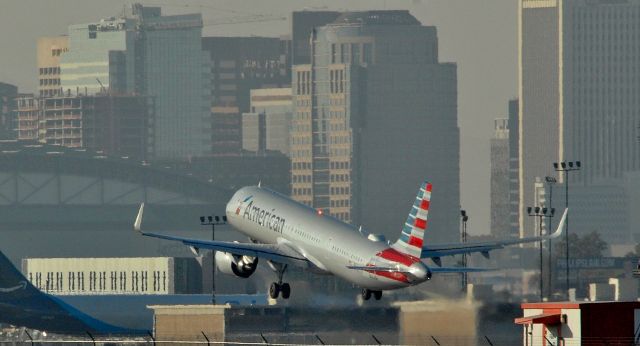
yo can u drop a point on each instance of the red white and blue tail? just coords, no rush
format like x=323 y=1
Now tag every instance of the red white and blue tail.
x=412 y=237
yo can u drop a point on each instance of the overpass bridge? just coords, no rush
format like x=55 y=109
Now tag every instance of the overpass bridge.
x=52 y=187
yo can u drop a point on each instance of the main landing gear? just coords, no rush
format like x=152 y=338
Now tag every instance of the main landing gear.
x=366 y=294
x=279 y=287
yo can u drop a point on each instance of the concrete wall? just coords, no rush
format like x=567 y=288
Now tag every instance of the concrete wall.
x=453 y=322
x=189 y=322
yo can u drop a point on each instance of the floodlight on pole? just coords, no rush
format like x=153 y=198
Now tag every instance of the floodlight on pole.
x=213 y=221
x=550 y=181
x=540 y=213
x=566 y=170
x=464 y=217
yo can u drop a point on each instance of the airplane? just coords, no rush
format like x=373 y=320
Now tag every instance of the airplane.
x=288 y=233
x=22 y=304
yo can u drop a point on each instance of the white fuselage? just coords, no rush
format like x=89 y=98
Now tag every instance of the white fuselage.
x=330 y=245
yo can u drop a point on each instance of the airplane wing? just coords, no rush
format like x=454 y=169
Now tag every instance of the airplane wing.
x=440 y=250
x=277 y=253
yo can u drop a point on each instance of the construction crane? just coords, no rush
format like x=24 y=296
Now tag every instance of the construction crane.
x=245 y=19
x=238 y=17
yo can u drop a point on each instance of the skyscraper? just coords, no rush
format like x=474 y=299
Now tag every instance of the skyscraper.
x=148 y=54
x=579 y=77
x=500 y=179
x=239 y=64
x=375 y=114
x=514 y=166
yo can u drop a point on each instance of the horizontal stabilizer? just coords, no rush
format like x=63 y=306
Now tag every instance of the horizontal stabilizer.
x=459 y=269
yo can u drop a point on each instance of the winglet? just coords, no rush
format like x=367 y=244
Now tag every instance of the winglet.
x=137 y=225
x=558 y=231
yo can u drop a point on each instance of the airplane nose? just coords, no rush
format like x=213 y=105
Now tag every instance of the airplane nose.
x=420 y=271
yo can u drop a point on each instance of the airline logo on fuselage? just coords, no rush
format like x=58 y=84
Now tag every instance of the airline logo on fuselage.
x=263 y=217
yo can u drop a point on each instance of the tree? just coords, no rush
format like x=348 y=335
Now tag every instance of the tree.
x=589 y=245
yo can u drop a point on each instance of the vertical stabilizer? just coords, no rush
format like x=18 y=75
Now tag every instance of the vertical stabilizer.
x=412 y=238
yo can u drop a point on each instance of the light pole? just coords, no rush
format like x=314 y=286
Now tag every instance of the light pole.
x=540 y=213
x=213 y=221
x=550 y=181
x=566 y=167
x=463 y=238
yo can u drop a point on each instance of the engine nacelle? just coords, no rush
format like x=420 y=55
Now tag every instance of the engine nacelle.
x=240 y=266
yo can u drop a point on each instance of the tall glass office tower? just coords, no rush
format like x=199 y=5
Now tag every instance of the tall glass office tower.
x=579 y=79
x=375 y=114
x=149 y=54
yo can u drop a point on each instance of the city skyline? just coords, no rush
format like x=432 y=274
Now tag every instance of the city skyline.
x=475 y=123
x=333 y=149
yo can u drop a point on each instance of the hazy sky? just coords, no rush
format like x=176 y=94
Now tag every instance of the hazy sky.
x=480 y=36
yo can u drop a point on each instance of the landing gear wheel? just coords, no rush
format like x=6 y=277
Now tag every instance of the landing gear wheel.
x=366 y=294
x=377 y=295
x=274 y=290
x=286 y=290
x=277 y=287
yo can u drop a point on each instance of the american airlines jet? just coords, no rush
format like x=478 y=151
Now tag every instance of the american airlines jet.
x=287 y=233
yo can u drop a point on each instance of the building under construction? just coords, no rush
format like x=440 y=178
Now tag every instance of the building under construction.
x=118 y=125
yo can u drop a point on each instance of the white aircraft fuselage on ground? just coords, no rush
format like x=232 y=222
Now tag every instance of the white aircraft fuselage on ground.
x=285 y=232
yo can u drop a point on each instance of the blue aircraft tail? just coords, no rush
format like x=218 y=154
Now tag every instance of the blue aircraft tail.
x=22 y=304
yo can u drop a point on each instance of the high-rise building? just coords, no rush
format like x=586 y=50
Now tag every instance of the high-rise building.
x=375 y=114
x=49 y=51
x=146 y=53
x=500 y=179
x=112 y=124
x=578 y=87
x=8 y=94
x=239 y=64
x=266 y=127
x=514 y=166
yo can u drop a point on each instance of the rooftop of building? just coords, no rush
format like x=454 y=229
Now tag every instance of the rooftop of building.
x=576 y=304
x=382 y=17
x=8 y=89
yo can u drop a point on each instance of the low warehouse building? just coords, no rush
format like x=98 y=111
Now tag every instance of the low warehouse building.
x=121 y=275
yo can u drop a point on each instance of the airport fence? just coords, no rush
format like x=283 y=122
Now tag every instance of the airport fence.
x=279 y=339
x=317 y=339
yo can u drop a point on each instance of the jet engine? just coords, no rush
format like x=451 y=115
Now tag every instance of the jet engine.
x=241 y=266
